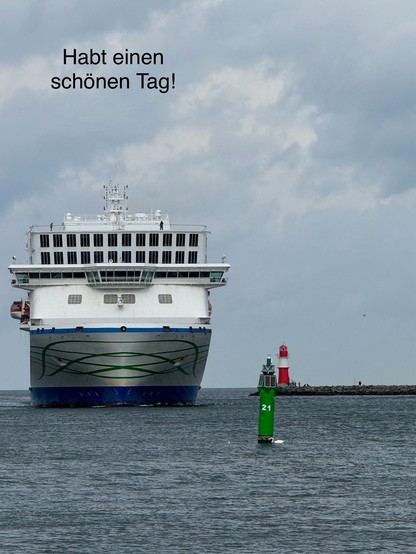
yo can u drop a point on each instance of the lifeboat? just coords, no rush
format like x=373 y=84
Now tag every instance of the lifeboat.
x=16 y=309
x=20 y=309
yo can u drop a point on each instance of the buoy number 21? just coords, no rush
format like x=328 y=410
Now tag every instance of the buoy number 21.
x=266 y=408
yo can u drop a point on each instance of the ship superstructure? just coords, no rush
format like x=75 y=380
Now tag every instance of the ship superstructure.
x=117 y=307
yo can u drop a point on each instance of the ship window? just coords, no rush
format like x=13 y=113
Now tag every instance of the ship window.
x=147 y=276
x=110 y=298
x=167 y=239
x=140 y=257
x=126 y=239
x=165 y=298
x=126 y=256
x=93 y=277
x=85 y=239
x=192 y=257
x=72 y=257
x=193 y=239
x=44 y=241
x=180 y=239
x=112 y=256
x=120 y=276
x=85 y=258
x=107 y=276
x=57 y=241
x=216 y=276
x=23 y=278
x=71 y=239
x=153 y=257
x=112 y=239
x=99 y=257
x=141 y=239
x=98 y=239
x=128 y=298
x=166 y=257
x=153 y=239
x=74 y=298
x=180 y=257
x=45 y=258
x=58 y=257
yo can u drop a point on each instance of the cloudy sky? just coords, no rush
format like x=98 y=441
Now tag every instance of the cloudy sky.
x=290 y=132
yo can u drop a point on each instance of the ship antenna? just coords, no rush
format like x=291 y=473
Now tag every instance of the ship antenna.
x=115 y=204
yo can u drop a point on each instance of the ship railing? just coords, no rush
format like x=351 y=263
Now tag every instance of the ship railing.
x=51 y=324
x=90 y=221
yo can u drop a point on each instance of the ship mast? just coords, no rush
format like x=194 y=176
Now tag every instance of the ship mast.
x=115 y=204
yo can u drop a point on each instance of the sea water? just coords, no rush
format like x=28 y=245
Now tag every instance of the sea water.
x=194 y=479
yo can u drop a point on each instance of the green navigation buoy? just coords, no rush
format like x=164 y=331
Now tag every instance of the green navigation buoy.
x=267 y=392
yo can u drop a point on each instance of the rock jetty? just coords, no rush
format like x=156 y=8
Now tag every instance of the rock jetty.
x=352 y=390
x=357 y=390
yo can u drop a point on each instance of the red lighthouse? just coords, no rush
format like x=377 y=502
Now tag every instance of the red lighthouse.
x=283 y=378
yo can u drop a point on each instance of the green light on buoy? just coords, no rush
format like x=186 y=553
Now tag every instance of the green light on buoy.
x=267 y=392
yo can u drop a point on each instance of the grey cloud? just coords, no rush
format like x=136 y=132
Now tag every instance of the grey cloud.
x=290 y=133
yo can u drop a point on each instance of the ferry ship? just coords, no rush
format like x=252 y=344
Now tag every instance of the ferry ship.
x=117 y=308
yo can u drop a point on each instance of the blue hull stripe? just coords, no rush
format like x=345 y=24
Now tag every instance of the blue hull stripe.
x=120 y=329
x=112 y=396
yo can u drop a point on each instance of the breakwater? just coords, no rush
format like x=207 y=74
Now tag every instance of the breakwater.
x=332 y=390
